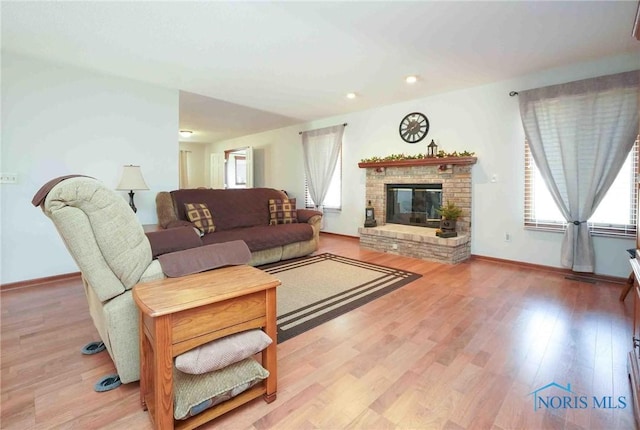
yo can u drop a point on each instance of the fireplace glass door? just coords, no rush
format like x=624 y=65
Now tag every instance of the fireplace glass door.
x=414 y=204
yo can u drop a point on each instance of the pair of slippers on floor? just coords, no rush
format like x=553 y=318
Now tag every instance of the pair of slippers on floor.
x=108 y=382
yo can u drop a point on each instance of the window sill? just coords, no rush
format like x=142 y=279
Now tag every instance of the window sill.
x=327 y=210
x=595 y=233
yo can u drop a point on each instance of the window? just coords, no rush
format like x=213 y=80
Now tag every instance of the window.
x=615 y=215
x=333 y=199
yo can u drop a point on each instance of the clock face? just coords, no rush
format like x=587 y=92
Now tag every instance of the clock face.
x=414 y=127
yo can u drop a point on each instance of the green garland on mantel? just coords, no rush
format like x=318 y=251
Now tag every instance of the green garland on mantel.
x=402 y=157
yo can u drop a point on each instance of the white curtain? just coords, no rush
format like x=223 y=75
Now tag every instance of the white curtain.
x=183 y=169
x=580 y=134
x=321 y=149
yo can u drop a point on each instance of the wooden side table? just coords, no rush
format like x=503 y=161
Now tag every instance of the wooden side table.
x=179 y=314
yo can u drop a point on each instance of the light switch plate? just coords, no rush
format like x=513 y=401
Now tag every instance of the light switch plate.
x=8 y=178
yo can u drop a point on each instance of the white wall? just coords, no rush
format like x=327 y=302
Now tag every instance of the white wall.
x=484 y=120
x=59 y=120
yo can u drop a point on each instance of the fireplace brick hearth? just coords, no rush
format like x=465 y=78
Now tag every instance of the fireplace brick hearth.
x=420 y=242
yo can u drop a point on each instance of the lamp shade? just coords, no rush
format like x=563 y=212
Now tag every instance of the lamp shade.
x=132 y=179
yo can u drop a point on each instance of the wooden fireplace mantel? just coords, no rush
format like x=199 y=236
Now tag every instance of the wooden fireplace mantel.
x=421 y=162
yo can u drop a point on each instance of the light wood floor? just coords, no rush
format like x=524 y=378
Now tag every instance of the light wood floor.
x=462 y=347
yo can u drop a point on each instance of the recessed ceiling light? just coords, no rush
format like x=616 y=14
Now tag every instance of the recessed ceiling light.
x=411 y=79
x=351 y=95
x=186 y=133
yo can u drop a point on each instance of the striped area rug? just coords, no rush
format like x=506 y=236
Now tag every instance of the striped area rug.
x=321 y=287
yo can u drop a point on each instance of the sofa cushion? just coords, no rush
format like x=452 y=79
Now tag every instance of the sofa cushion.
x=282 y=211
x=181 y=223
x=230 y=209
x=263 y=237
x=222 y=352
x=200 y=215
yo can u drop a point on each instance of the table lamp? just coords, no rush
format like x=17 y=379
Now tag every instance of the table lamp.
x=132 y=180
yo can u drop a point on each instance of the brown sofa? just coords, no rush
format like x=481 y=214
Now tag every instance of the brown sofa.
x=243 y=214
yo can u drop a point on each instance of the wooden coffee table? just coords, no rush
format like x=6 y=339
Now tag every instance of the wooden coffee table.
x=179 y=314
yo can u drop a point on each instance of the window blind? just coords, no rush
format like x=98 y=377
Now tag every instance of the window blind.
x=533 y=189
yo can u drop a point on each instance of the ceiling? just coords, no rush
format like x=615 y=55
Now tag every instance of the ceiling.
x=247 y=67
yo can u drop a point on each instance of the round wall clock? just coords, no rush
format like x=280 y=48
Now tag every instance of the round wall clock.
x=414 y=127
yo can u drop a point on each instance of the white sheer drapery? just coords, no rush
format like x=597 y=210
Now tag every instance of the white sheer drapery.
x=579 y=134
x=183 y=170
x=321 y=149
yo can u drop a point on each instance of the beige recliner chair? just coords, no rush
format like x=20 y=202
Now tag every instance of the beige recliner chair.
x=114 y=254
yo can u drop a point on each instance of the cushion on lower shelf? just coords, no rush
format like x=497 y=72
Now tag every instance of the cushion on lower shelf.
x=196 y=393
x=222 y=352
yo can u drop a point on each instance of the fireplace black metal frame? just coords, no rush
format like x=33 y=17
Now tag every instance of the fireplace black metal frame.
x=422 y=211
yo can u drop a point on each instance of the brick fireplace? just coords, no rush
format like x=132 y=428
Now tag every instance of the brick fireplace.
x=454 y=174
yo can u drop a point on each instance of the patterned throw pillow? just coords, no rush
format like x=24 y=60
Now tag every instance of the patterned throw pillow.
x=200 y=215
x=282 y=211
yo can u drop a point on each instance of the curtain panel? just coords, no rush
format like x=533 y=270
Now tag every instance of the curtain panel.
x=321 y=149
x=579 y=134
x=183 y=170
